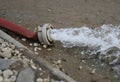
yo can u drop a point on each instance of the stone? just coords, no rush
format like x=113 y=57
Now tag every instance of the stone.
x=12 y=46
x=1 y=78
x=39 y=49
x=49 y=49
x=35 y=49
x=35 y=44
x=6 y=63
x=23 y=39
x=12 y=78
x=80 y=67
x=26 y=75
x=6 y=53
x=39 y=80
x=44 y=46
x=30 y=44
x=93 y=71
x=59 y=62
x=7 y=73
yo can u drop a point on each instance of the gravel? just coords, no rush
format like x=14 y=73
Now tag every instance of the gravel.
x=15 y=67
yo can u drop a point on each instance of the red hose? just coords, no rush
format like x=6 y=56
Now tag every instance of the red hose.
x=18 y=29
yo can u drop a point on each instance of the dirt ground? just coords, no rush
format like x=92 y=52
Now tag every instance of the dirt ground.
x=65 y=14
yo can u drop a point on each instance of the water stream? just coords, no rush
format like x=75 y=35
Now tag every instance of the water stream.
x=104 y=39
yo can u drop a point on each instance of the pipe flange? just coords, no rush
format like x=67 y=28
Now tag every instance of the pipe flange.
x=43 y=34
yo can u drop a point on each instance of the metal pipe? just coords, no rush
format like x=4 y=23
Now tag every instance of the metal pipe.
x=42 y=35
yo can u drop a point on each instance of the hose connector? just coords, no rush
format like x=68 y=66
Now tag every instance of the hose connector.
x=44 y=34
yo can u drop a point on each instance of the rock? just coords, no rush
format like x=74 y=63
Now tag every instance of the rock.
x=6 y=63
x=59 y=62
x=44 y=46
x=93 y=71
x=80 y=67
x=12 y=46
x=33 y=66
x=6 y=53
x=7 y=73
x=1 y=78
x=12 y=78
x=30 y=44
x=35 y=44
x=39 y=49
x=23 y=39
x=39 y=80
x=49 y=49
x=35 y=49
x=26 y=75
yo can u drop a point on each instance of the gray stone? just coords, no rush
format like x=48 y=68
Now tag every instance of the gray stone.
x=7 y=73
x=6 y=52
x=26 y=75
x=6 y=63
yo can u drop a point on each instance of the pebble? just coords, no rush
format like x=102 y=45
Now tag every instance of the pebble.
x=39 y=80
x=30 y=44
x=33 y=66
x=80 y=67
x=6 y=53
x=7 y=73
x=59 y=62
x=12 y=78
x=39 y=49
x=1 y=78
x=12 y=46
x=35 y=44
x=49 y=49
x=23 y=39
x=93 y=71
x=35 y=49
x=44 y=46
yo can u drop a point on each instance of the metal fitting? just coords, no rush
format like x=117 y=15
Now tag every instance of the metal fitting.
x=44 y=34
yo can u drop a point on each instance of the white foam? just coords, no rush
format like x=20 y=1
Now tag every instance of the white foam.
x=103 y=38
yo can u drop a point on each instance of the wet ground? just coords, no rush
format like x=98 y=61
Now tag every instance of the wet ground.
x=65 y=14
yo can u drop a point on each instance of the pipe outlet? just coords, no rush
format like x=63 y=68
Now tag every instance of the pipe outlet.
x=44 y=34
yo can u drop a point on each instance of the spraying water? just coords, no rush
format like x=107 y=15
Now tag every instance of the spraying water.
x=105 y=39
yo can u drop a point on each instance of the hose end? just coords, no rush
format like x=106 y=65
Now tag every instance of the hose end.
x=44 y=34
